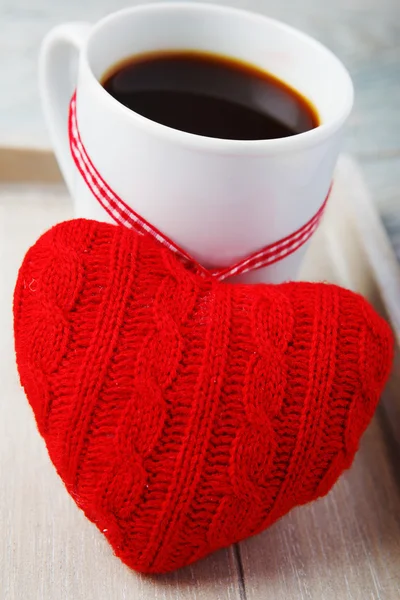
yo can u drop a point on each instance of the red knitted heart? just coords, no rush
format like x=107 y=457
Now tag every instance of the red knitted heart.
x=184 y=414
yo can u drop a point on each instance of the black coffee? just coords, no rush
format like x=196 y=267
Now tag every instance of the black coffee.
x=210 y=95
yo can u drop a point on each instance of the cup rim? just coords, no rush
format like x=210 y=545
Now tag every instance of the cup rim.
x=275 y=145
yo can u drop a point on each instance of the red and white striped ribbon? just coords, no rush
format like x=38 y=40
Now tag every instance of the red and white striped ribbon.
x=124 y=215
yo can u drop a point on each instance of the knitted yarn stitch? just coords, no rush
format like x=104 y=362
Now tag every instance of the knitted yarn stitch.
x=184 y=414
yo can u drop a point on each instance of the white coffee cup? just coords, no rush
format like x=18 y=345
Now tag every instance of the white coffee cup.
x=218 y=199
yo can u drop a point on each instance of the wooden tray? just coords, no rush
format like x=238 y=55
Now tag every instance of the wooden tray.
x=344 y=546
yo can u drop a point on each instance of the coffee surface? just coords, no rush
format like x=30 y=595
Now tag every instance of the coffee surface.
x=210 y=95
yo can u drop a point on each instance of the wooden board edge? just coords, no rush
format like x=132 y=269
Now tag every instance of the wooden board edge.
x=378 y=248
x=26 y=165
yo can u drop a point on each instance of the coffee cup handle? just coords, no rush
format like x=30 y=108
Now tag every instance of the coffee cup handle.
x=58 y=70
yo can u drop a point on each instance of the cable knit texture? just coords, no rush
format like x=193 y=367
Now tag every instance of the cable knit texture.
x=184 y=414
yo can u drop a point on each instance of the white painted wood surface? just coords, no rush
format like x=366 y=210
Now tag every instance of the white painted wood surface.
x=343 y=547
